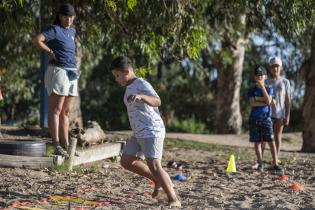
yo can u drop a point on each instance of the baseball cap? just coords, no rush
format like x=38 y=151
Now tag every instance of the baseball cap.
x=275 y=61
x=260 y=71
x=66 y=10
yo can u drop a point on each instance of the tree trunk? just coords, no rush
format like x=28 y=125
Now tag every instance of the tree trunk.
x=228 y=115
x=309 y=103
x=75 y=112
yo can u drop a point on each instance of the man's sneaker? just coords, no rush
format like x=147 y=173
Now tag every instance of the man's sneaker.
x=277 y=169
x=60 y=151
x=260 y=168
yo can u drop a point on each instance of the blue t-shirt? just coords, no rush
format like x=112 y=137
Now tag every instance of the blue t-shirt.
x=61 y=41
x=260 y=112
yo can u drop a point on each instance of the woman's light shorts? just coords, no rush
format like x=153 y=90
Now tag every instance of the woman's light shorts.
x=57 y=81
x=144 y=147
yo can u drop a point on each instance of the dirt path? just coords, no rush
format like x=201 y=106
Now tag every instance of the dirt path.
x=291 y=141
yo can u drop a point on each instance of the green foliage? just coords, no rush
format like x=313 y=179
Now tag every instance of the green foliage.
x=143 y=71
x=149 y=32
x=189 y=144
x=131 y=4
x=186 y=101
x=187 y=126
x=196 y=41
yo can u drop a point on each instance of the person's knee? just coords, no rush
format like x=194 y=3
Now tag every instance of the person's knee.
x=65 y=112
x=125 y=162
x=154 y=166
x=55 y=111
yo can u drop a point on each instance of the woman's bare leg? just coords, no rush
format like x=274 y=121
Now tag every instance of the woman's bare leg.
x=55 y=107
x=64 y=121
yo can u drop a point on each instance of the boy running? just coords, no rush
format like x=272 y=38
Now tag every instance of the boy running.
x=148 y=129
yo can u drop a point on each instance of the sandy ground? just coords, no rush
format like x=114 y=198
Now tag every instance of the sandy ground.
x=107 y=186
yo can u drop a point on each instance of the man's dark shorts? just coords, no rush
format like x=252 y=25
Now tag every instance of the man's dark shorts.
x=261 y=130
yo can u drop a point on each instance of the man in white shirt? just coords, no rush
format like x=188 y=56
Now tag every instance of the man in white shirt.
x=282 y=101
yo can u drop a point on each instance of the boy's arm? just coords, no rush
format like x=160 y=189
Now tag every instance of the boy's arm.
x=267 y=98
x=150 y=100
x=253 y=99
x=254 y=102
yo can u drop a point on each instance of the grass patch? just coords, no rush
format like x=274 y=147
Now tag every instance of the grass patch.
x=79 y=169
x=288 y=140
x=50 y=149
x=189 y=144
x=220 y=150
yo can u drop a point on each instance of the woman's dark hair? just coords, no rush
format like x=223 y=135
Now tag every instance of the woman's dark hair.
x=57 y=20
x=121 y=63
x=66 y=10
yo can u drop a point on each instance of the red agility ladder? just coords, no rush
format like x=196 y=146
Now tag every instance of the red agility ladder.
x=1 y=97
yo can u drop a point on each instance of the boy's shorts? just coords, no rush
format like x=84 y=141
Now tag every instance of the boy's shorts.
x=144 y=147
x=260 y=130
x=57 y=81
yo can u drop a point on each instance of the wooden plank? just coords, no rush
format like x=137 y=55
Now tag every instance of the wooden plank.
x=73 y=145
x=25 y=161
x=98 y=152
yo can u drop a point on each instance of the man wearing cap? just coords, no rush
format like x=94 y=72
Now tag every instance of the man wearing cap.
x=61 y=77
x=282 y=101
x=260 y=123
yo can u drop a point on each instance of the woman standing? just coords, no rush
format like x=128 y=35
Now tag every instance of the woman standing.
x=61 y=77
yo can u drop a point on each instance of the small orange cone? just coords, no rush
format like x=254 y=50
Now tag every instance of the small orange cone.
x=231 y=166
x=283 y=178
x=296 y=186
x=152 y=184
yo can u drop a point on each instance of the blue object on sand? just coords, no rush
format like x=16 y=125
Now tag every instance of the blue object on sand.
x=180 y=177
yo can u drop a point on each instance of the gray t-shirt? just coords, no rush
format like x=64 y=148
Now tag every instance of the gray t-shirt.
x=281 y=88
x=145 y=120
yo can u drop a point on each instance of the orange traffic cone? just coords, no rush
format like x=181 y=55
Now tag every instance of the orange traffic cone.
x=283 y=178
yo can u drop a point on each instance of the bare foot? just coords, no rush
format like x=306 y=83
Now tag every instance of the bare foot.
x=176 y=203
x=158 y=191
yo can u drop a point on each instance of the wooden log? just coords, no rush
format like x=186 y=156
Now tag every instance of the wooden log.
x=26 y=162
x=98 y=152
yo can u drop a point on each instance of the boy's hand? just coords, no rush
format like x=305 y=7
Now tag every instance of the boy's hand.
x=286 y=121
x=133 y=98
x=260 y=83
x=51 y=55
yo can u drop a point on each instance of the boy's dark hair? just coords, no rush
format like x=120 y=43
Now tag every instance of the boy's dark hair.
x=121 y=63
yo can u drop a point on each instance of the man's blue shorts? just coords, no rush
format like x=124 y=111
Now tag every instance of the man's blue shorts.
x=261 y=130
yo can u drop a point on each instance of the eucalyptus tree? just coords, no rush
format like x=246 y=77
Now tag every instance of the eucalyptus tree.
x=299 y=19
x=231 y=24
x=294 y=20
x=146 y=30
